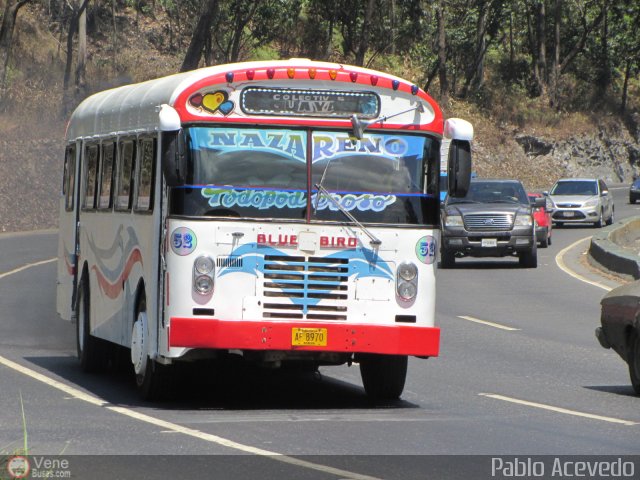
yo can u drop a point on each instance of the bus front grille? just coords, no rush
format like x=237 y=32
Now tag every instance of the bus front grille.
x=305 y=288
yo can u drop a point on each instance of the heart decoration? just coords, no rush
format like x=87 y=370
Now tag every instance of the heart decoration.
x=226 y=108
x=211 y=102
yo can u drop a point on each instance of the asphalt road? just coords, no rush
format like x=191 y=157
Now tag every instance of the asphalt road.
x=520 y=374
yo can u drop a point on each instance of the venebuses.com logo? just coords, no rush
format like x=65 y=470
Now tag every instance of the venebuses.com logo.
x=18 y=467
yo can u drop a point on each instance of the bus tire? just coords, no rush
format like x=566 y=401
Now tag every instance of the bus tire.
x=149 y=374
x=383 y=376
x=92 y=351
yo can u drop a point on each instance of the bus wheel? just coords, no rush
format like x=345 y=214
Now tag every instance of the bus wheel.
x=91 y=350
x=383 y=376
x=149 y=374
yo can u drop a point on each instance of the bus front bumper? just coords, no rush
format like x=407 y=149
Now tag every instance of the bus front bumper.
x=308 y=336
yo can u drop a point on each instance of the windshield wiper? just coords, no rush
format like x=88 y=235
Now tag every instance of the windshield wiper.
x=374 y=240
x=359 y=125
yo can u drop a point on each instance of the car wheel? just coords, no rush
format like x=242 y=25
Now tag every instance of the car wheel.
x=529 y=259
x=634 y=363
x=447 y=259
x=544 y=243
x=612 y=217
x=600 y=221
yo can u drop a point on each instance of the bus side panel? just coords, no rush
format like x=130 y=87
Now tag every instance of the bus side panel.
x=67 y=236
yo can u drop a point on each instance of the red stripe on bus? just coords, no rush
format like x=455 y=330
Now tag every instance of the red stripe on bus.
x=263 y=335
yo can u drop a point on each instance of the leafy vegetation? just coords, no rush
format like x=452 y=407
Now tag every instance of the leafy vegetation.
x=550 y=68
x=539 y=55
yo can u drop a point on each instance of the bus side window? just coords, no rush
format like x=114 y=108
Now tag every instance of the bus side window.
x=91 y=177
x=144 y=188
x=125 y=175
x=68 y=182
x=106 y=176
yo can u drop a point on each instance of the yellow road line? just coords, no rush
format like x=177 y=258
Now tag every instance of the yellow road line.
x=486 y=322
x=563 y=266
x=566 y=411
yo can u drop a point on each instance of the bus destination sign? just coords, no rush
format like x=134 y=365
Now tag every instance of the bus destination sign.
x=309 y=103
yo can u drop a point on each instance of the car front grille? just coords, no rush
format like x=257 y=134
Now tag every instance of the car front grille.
x=484 y=221
x=569 y=205
x=309 y=288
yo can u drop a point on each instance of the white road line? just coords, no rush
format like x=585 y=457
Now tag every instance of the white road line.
x=25 y=267
x=563 y=266
x=485 y=322
x=557 y=409
x=172 y=427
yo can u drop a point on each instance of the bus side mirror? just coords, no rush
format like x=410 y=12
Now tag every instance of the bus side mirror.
x=174 y=158
x=459 y=167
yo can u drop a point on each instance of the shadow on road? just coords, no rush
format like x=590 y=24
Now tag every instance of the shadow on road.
x=622 y=390
x=228 y=385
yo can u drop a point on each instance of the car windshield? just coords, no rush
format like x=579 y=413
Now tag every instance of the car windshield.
x=493 y=192
x=575 y=187
x=273 y=173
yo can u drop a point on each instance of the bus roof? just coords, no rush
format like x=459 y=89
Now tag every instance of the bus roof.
x=134 y=108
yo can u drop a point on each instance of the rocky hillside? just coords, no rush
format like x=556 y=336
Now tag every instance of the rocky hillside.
x=32 y=123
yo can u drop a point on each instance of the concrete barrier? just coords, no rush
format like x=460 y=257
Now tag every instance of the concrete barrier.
x=606 y=247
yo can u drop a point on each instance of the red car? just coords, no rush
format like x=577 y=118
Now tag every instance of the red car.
x=542 y=216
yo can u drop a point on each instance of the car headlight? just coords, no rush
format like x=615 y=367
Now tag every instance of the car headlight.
x=591 y=203
x=523 y=220
x=453 y=221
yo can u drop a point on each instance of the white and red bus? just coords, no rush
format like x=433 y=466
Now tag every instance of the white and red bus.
x=283 y=211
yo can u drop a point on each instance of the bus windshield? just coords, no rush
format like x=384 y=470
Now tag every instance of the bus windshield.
x=269 y=173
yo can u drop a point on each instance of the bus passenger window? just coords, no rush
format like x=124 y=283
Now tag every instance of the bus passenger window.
x=68 y=184
x=91 y=177
x=106 y=179
x=144 y=195
x=124 y=172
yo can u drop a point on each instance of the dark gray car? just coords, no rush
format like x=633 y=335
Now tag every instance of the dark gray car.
x=494 y=219
x=620 y=330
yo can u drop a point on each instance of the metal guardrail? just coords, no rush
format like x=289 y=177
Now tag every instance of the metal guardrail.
x=606 y=247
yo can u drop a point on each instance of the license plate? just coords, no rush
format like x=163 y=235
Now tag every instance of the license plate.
x=489 y=242
x=569 y=214
x=309 y=337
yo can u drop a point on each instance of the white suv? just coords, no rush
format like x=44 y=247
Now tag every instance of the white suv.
x=580 y=200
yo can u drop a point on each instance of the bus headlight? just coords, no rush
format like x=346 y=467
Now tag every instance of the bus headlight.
x=203 y=273
x=407 y=281
x=407 y=271
x=203 y=265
